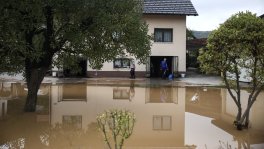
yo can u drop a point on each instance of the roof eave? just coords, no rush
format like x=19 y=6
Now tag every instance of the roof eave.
x=171 y=14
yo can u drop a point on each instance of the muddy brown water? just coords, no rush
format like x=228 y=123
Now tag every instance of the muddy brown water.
x=166 y=117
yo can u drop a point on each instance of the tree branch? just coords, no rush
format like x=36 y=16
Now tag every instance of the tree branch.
x=60 y=29
x=237 y=82
x=229 y=89
x=39 y=31
x=254 y=98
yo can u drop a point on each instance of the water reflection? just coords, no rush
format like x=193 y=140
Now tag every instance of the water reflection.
x=9 y=91
x=191 y=117
x=203 y=101
x=217 y=108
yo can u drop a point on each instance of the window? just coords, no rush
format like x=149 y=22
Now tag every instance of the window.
x=162 y=35
x=72 y=121
x=121 y=93
x=161 y=122
x=122 y=63
x=72 y=92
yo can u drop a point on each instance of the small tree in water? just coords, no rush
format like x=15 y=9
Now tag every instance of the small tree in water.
x=116 y=126
x=237 y=44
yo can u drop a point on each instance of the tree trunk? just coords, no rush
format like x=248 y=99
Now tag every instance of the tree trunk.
x=238 y=122
x=244 y=120
x=239 y=113
x=247 y=119
x=34 y=77
x=35 y=70
x=251 y=100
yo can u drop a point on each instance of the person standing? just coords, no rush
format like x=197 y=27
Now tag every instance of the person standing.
x=132 y=70
x=164 y=68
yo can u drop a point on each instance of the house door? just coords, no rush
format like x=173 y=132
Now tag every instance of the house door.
x=175 y=65
x=155 y=71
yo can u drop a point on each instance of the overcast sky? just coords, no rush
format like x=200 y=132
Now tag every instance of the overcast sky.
x=211 y=13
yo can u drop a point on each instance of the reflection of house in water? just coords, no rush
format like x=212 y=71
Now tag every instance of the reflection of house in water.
x=160 y=115
x=158 y=124
x=8 y=91
x=18 y=91
x=203 y=101
x=162 y=95
x=218 y=104
x=228 y=115
x=229 y=109
x=68 y=104
x=72 y=92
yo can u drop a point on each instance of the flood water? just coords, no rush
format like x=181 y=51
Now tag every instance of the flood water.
x=166 y=117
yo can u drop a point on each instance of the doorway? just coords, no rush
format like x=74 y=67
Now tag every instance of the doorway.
x=155 y=71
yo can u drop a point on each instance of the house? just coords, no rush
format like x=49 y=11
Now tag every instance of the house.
x=167 y=22
x=160 y=128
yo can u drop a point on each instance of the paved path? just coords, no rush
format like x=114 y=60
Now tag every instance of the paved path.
x=202 y=80
x=194 y=80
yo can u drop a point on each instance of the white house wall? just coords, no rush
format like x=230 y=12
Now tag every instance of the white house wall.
x=144 y=134
x=175 y=48
x=108 y=66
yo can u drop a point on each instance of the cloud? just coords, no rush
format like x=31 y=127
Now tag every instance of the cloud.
x=212 y=13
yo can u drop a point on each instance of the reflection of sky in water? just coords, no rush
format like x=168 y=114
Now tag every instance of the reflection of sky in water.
x=165 y=116
x=200 y=131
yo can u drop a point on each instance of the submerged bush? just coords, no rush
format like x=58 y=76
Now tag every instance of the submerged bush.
x=116 y=126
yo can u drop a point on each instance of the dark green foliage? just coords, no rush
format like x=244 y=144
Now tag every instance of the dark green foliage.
x=189 y=34
x=34 y=31
x=237 y=44
x=100 y=30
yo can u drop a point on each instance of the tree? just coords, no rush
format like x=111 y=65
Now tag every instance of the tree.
x=116 y=126
x=237 y=44
x=33 y=32
x=189 y=34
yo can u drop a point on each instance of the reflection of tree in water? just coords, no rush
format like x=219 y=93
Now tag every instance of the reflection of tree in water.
x=4 y=91
x=241 y=145
x=223 y=145
x=69 y=136
x=19 y=143
x=65 y=136
x=241 y=140
x=21 y=130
